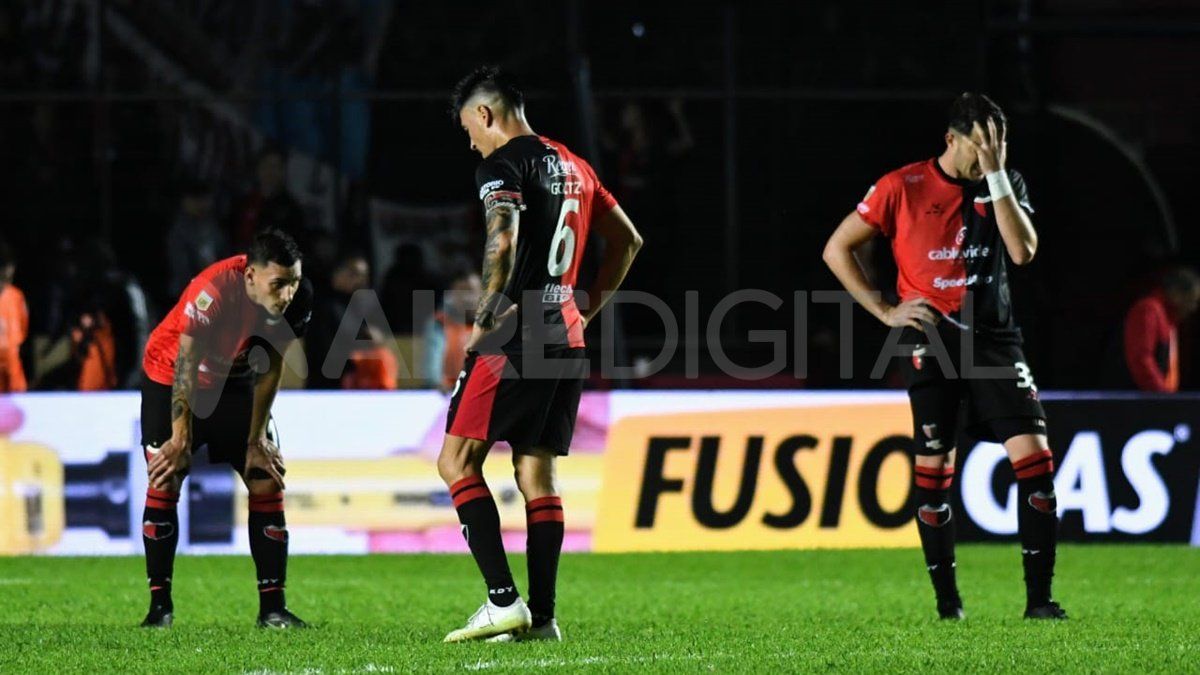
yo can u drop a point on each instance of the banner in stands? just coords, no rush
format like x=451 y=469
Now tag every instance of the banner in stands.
x=648 y=471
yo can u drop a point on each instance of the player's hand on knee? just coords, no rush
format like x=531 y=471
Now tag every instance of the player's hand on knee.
x=912 y=313
x=263 y=460
x=171 y=460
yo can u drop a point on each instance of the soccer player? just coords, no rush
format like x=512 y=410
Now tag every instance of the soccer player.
x=952 y=221
x=212 y=369
x=522 y=379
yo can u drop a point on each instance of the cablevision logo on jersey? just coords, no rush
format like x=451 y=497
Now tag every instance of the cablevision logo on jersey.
x=824 y=476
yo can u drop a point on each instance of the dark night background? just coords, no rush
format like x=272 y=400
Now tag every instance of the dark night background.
x=736 y=135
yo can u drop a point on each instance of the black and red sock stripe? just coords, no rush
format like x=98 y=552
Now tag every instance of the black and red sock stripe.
x=161 y=499
x=931 y=478
x=544 y=510
x=468 y=490
x=1038 y=464
x=272 y=503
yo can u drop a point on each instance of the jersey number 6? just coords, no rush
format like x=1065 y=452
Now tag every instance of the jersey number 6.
x=564 y=238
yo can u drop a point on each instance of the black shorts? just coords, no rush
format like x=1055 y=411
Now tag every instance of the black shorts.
x=224 y=431
x=991 y=406
x=505 y=397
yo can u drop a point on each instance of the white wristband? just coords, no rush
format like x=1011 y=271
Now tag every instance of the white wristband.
x=998 y=184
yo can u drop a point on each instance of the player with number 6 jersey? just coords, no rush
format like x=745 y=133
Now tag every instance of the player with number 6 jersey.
x=525 y=365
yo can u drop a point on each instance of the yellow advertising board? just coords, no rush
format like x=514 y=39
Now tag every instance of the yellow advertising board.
x=836 y=476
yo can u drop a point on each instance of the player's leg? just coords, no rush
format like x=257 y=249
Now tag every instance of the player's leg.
x=1012 y=414
x=266 y=522
x=935 y=398
x=535 y=472
x=935 y=420
x=160 y=517
x=460 y=464
x=1037 y=512
x=268 y=533
x=489 y=403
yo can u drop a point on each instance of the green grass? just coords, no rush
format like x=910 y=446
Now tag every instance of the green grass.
x=1133 y=609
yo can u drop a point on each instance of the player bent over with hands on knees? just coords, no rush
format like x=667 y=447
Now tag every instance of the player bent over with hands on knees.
x=213 y=367
x=953 y=220
x=523 y=376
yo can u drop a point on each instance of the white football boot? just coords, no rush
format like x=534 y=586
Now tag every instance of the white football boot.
x=548 y=632
x=489 y=621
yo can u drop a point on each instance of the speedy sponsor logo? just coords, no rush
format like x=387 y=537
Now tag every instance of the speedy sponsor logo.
x=828 y=476
x=942 y=284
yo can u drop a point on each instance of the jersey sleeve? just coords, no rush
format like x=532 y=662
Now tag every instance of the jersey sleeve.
x=201 y=309
x=499 y=182
x=879 y=205
x=603 y=201
x=1020 y=190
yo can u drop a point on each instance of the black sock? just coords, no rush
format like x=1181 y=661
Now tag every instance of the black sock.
x=481 y=528
x=1037 y=522
x=543 y=546
x=160 y=536
x=269 y=547
x=935 y=524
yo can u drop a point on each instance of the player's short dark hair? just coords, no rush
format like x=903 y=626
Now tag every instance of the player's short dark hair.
x=970 y=108
x=273 y=246
x=7 y=257
x=491 y=80
x=1180 y=279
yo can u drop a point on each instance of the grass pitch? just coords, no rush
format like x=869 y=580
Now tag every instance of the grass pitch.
x=1133 y=609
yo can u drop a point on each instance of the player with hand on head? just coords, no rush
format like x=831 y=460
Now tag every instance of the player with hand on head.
x=213 y=367
x=952 y=220
x=523 y=376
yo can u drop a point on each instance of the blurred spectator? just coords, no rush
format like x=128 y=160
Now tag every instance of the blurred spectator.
x=120 y=300
x=1150 y=336
x=373 y=367
x=269 y=205
x=97 y=326
x=457 y=318
x=407 y=276
x=194 y=240
x=351 y=274
x=412 y=294
x=93 y=352
x=14 y=325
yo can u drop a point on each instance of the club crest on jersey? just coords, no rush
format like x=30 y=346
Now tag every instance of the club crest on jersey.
x=930 y=430
x=279 y=534
x=203 y=301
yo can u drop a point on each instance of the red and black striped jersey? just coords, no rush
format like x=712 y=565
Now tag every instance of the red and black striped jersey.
x=946 y=241
x=559 y=196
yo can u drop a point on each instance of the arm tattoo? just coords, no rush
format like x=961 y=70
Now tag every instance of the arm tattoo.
x=185 y=382
x=499 y=255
